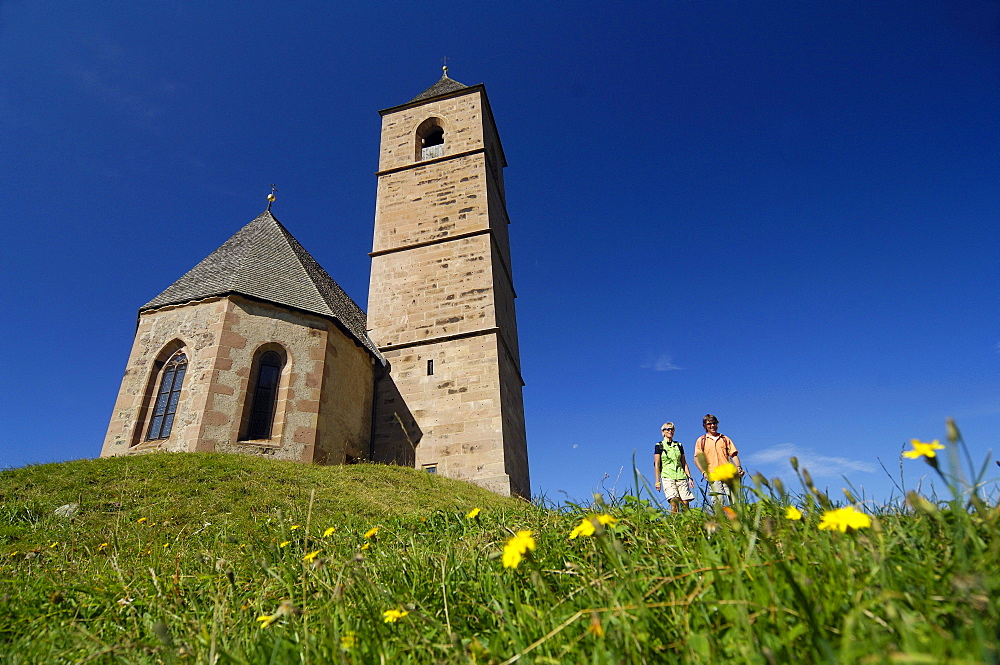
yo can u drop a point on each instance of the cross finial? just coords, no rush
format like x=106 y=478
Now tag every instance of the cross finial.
x=445 y=68
x=271 y=197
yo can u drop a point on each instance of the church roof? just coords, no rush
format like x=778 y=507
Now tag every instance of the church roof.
x=442 y=87
x=263 y=261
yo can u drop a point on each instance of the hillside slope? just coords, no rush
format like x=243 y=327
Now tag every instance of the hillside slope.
x=190 y=558
x=182 y=491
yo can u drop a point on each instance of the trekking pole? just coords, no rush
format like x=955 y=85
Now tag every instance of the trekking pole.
x=704 y=495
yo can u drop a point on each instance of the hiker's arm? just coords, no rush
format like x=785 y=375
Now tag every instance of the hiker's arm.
x=736 y=461
x=687 y=469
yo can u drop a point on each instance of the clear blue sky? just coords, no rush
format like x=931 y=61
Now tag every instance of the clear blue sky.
x=783 y=213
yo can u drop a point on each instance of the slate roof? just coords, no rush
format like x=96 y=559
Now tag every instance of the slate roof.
x=263 y=261
x=442 y=87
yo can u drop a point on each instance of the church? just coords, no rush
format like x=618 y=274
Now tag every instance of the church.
x=257 y=350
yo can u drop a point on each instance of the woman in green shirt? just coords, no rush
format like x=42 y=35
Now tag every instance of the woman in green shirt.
x=672 y=471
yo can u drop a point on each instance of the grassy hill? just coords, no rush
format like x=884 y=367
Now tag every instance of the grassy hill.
x=204 y=558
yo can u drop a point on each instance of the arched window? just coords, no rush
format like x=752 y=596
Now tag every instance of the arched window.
x=167 y=397
x=430 y=139
x=264 y=395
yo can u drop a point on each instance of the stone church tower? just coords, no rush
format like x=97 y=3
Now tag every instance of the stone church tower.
x=441 y=300
x=256 y=350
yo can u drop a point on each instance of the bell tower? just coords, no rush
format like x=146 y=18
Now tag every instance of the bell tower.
x=441 y=298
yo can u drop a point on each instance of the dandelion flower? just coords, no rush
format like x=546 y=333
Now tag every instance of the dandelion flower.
x=725 y=471
x=329 y=532
x=365 y=546
x=55 y=544
x=372 y=532
x=472 y=514
x=284 y=543
x=296 y=526
x=843 y=519
x=921 y=449
x=588 y=525
x=348 y=641
x=516 y=548
x=141 y=520
x=309 y=558
x=102 y=547
x=584 y=528
x=793 y=513
x=392 y=616
x=267 y=619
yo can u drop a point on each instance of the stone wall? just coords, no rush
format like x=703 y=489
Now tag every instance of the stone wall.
x=324 y=396
x=430 y=202
x=431 y=291
x=456 y=410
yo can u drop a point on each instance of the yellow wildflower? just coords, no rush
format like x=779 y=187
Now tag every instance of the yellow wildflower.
x=348 y=641
x=141 y=520
x=267 y=619
x=102 y=547
x=606 y=520
x=793 y=513
x=516 y=548
x=472 y=514
x=584 y=528
x=296 y=526
x=53 y=545
x=329 y=532
x=311 y=556
x=392 y=616
x=588 y=525
x=371 y=533
x=725 y=471
x=921 y=449
x=365 y=546
x=284 y=543
x=843 y=519
x=165 y=545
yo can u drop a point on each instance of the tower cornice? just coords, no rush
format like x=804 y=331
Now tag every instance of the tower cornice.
x=479 y=87
x=426 y=162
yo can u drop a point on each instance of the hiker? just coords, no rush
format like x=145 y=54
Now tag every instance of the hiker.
x=712 y=450
x=672 y=470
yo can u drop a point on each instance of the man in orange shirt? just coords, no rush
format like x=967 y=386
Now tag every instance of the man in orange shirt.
x=712 y=450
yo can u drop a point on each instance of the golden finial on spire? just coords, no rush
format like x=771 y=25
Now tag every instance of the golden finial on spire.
x=444 y=69
x=271 y=197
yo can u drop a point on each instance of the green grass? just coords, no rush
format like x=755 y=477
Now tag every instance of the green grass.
x=173 y=558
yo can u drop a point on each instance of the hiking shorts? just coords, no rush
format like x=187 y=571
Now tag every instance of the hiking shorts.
x=676 y=489
x=719 y=490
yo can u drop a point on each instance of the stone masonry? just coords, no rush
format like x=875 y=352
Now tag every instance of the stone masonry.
x=441 y=300
x=323 y=403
